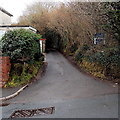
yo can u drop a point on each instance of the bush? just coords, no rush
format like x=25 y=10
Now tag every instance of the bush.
x=106 y=57
x=21 y=74
x=21 y=45
x=73 y=48
x=101 y=63
x=109 y=59
x=81 y=52
x=79 y=56
x=85 y=47
x=92 y=67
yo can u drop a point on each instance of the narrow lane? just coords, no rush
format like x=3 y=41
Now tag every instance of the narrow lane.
x=72 y=93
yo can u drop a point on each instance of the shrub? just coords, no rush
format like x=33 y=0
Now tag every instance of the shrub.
x=94 y=68
x=74 y=47
x=21 y=45
x=109 y=59
x=80 y=52
x=85 y=47
x=78 y=56
x=23 y=73
x=106 y=57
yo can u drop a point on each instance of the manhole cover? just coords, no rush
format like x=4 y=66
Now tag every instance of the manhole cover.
x=32 y=112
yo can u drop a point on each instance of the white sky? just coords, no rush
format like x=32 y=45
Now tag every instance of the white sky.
x=16 y=7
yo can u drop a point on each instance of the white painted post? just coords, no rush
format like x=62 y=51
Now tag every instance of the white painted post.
x=41 y=46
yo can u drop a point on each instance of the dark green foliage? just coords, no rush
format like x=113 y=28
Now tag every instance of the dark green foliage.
x=21 y=45
x=80 y=53
x=106 y=57
x=110 y=59
x=113 y=14
x=22 y=73
x=85 y=47
x=53 y=38
x=79 y=56
x=74 y=47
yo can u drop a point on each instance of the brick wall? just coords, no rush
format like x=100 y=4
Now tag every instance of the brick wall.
x=4 y=70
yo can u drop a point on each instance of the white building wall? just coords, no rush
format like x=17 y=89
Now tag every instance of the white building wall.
x=4 y=19
x=14 y=28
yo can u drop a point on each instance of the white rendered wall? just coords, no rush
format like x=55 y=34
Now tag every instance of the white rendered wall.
x=4 y=19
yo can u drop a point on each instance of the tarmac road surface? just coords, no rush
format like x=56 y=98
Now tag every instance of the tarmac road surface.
x=72 y=93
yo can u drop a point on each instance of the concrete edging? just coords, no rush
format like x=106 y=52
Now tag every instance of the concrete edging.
x=41 y=71
x=14 y=94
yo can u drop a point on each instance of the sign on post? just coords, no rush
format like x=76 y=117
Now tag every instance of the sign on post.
x=99 y=38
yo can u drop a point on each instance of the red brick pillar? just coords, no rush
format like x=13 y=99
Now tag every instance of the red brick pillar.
x=4 y=69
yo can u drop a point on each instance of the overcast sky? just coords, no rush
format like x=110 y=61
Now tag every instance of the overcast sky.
x=16 y=7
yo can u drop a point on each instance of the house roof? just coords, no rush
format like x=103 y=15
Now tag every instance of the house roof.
x=18 y=26
x=15 y=25
x=6 y=12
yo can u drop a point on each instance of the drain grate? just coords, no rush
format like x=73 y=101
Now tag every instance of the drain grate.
x=33 y=112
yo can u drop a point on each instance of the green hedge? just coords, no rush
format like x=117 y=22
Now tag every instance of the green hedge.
x=21 y=74
x=109 y=59
x=106 y=57
x=102 y=62
x=21 y=45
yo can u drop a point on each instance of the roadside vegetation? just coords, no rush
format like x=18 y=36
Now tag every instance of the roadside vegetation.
x=70 y=28
x=22 y=46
